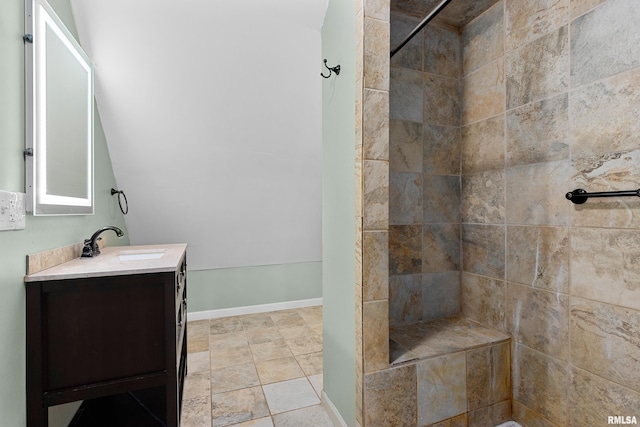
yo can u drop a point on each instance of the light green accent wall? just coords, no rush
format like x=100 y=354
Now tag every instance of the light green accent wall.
x=41 y=233
x=338 y=208
x=245 y=286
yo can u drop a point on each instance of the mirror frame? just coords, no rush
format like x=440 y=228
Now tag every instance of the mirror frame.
x=39 y=18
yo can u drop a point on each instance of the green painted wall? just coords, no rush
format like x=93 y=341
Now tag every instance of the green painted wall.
x=41 y=232
x=246 y=286
x=338 y=208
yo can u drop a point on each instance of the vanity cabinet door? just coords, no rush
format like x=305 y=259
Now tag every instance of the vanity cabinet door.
x=103 y=329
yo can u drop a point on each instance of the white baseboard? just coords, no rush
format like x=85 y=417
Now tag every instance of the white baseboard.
x=251 y=309
x=331 y=409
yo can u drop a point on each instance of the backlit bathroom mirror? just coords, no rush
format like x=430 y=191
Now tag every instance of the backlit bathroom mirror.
x=59 y=116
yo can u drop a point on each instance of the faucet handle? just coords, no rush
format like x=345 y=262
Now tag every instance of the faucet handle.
x=87 y=251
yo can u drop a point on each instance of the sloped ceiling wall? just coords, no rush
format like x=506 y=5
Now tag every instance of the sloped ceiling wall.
x=212 y=112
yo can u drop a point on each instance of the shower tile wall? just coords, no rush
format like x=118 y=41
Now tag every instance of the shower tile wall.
x=424 y=177
x=550 y=91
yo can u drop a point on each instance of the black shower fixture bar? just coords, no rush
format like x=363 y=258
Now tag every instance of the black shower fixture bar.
x=579 y=196
x=436 y=10
x=335 y=69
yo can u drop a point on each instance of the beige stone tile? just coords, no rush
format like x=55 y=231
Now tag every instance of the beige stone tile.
x=540 y=383
x=441 y=149
x=230 y=356
x=257 y=320
x=260 y=422
x=603 y=265
x=312 y=416
x=410 y=56
x=198 y=362
x=488 y=376
x=375 y=265
x=358 y=273
x=526 y=21
x=270 y=350
x=483 y=250
x=483 y=39
x=538 y=70
x=609 y=30
x=539 y=319
x=440 y=248
x=312 y=315
x=296 y=331
x=378 y=9
x=237 y=406
x=225 y=325
x=196 y=412
x=483 y=198
x=375 y=319
x=405 y=299
x=459 y=421
x=578 y=7
x=275 y=370
x=311 y=363
x=405 y=249
x=441 y=198
x=405 y=146
x=535 y=194
x=493 y=415
x=390 y=397
x=593 y=399
x=441 y=100
x=604 y=340
x=287 y=318
x=604 y=117
x=234 y=378
x=442 y=52
x=405 y=198
x=376 y=54
x=317 y=383
x=197 y=384
x=539 y=257
x=290 y=395
x=530 y=418
x=257 y=336
x=197 y=344
x=376 y=124
x=483 y=92
x=440 y=295
x=359 y=186
x=406 y=95
x=538 y=132
x=609 y=172
x=442 y=388
x=197 y=336
x=305 y=345
x=231 y=339
x=483 y=300
x=376 y=195
x=483 y=145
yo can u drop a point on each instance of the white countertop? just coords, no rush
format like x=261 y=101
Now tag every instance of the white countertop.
x=110 y=262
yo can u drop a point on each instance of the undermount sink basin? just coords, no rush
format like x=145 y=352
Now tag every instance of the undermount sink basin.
x=141 y=254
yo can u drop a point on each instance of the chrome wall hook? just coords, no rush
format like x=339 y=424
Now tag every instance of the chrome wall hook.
x=335 y=69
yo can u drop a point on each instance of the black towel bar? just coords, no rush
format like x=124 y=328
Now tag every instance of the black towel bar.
x=580 y=196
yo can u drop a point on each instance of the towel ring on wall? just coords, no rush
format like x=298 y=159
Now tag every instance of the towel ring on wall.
x=121 y=195
x=335 y=69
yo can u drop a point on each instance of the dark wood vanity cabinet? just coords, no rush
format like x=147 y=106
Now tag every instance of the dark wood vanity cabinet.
x=95 y=338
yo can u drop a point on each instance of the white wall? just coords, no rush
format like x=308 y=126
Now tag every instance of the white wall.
x=212 y=111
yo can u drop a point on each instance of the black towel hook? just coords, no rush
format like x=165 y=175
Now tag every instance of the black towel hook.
x=335 y=69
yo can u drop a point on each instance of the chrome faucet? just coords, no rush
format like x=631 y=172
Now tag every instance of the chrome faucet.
x=91 y=248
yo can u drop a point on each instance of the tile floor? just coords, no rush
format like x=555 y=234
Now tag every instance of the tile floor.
x=256 y=370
